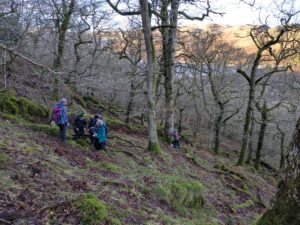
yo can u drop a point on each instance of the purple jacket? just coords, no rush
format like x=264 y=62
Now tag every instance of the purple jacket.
x=175 y=135
x=64 y=114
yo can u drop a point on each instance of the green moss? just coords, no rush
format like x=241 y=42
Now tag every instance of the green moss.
x=4 y=161
x=114 y=221
x=28 y=109
x=181 y=195
x=74 y=144
x=11 y=117
x=82 y=142
x=154 y=147
x=109 y=167
x=92 y=210
x=78 y=99
x=47 y=129
x=244 y=205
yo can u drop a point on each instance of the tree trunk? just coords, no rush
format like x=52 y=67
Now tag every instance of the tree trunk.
x=286 y=207
x=170 y=67
x=260 y=143
x=250 y=146
x=246 y=132
x=282 y=150
x=130 y=102
x=62 y=27
x=180 y=120
x=153 y=144
x=217 y=128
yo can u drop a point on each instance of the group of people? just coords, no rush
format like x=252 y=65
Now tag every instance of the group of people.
x=97 y=128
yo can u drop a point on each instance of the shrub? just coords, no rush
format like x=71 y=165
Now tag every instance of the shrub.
x=92 y=210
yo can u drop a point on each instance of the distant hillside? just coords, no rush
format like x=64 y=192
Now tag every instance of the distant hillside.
x=239 y=35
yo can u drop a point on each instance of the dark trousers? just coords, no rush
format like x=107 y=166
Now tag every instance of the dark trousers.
x=99 y=146
x=63 y=132
x=91 y=133
x=79 y=133
x=176 y=144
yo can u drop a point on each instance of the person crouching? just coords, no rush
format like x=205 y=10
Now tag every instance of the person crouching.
x=100 y=135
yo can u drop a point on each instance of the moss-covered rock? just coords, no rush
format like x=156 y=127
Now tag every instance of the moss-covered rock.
x=28 y=109
x=92 y=210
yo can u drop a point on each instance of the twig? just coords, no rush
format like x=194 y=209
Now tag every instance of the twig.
x=5 y=221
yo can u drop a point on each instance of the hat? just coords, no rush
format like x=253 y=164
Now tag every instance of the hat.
x=63 y=101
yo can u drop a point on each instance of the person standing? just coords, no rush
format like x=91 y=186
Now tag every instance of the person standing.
x=175 y=142
x=60 y=117
x=101 y=132
x=92 y=125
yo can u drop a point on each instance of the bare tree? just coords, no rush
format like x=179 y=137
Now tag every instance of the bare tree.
x=217 y=58
x=266 y=41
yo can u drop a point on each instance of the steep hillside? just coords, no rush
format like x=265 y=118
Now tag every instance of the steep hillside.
x=46 y=182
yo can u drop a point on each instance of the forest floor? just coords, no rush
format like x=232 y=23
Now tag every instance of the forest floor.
x=42 y=178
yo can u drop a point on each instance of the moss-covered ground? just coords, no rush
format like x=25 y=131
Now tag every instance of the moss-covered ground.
x=46 y=182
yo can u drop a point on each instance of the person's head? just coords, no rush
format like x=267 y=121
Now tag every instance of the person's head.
x=96 y=116
x=99 y=122
x=171 y=130
x=63 y=101
x=81 y=115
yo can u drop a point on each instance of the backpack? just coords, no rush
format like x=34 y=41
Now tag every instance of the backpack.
x=56 y=113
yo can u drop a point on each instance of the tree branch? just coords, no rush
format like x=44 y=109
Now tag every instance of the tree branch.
x=244 y=74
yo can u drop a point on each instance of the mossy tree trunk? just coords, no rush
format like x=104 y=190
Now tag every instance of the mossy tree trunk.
x=250 y=146
x=153 y=144
x=130 y=102
x=62 y=21
x=262 y=131
x=282 y=147
x=168 y=31
x=180 y=120
x=286 y=207
x=248 y=116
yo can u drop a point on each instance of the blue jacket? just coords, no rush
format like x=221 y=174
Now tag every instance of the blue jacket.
x=64 y=114
x=101 y=134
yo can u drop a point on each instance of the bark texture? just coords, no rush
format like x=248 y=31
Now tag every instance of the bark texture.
x=153 y=144
x=286 y=207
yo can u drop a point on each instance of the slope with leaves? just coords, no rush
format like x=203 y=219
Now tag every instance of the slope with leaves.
x=44 y=182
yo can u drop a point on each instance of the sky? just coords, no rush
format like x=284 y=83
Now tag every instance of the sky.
x=235 y=13
x=238 y=13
